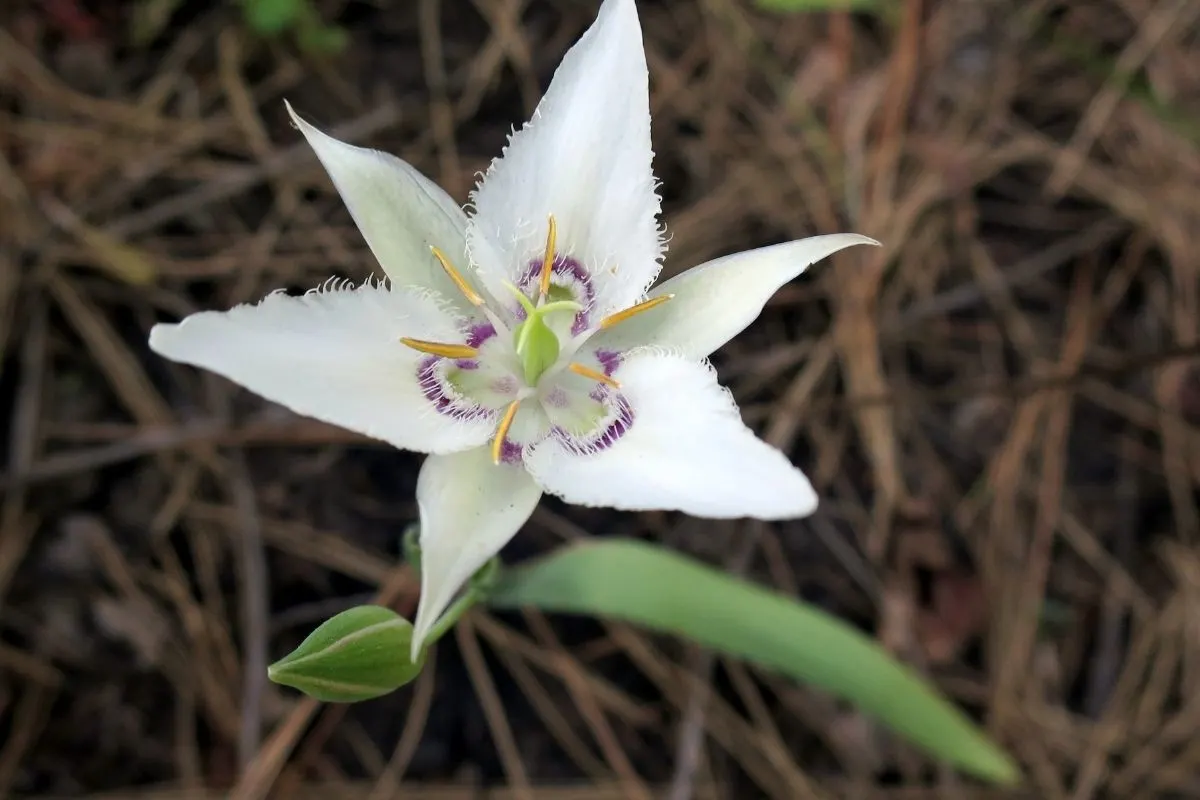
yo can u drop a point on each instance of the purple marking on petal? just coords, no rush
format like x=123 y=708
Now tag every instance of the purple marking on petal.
x=480 y=333
x=563 y=266
x=576 y=273
x=467 y=363
x=609 y=361
x=580 y=323
x=511 y=452
x=617 y=427
x=556 y=398
x=431 y=384
x=441 y=396
x=505 y=385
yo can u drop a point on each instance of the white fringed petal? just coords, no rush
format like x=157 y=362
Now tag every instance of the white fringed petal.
x=685 y=449
x=334 y=355
x=584 y=157
x=715 y=301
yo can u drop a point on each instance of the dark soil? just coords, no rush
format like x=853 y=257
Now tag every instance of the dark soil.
x=1000 y=408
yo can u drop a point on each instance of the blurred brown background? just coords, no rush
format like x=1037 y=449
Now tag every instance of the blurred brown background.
x=1000 y=407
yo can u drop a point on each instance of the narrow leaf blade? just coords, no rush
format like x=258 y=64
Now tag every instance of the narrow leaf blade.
x=667 y=592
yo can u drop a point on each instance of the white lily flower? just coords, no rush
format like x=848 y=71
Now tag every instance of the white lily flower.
x=518 y=346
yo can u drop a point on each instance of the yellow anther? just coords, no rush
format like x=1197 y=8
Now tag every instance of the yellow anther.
x=548 y=259
x=472 y=296
x=506 y=422
x=633 y=311
x=441 y=348
x=588 y=372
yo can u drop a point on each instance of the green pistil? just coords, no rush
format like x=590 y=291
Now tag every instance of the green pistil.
x=536 y=344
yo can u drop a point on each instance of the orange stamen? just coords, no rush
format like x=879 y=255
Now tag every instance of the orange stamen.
x=633 y=311
x=505 y=423
x=472 y=296
x=441 y=348
x=588 y=372
x=548 y=259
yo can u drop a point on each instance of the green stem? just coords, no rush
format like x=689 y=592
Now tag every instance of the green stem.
x=478 y=587
x=452 y=615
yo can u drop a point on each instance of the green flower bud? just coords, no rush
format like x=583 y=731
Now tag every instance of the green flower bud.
x=359 y=654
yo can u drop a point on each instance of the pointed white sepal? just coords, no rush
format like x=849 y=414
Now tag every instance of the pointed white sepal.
x=715 y=301
x=400 y=212
x=470 y=508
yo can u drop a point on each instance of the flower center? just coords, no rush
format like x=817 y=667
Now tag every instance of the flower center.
x=536 y=344
x=588 y=419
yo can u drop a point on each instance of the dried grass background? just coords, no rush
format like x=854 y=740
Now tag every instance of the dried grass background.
x=999 y=407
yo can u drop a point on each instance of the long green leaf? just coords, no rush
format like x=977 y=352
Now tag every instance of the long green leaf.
x=667 y=592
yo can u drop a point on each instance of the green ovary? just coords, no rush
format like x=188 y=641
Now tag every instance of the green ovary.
x=536 y=344
x=537 y=347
